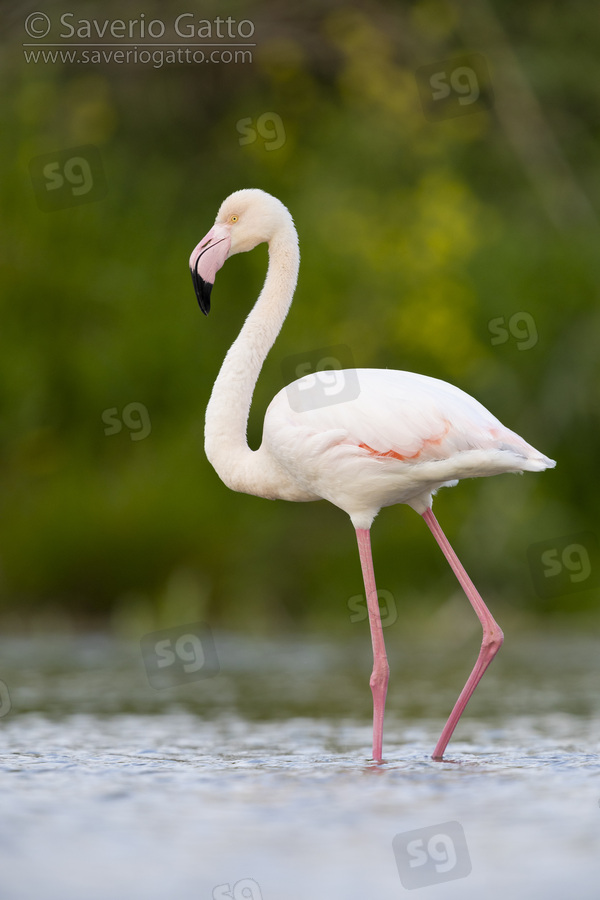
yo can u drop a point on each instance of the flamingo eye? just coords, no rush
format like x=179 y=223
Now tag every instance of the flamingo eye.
x=233 y=218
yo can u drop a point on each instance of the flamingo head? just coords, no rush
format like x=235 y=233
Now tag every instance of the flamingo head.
x=246 y=218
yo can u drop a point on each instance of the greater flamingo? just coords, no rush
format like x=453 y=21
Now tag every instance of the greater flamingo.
x=403 y=437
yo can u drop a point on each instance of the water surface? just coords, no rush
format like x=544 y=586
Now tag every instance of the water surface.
x=257 y=783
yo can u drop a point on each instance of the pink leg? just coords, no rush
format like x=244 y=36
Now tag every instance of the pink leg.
x=492 y=633
x=381 y=669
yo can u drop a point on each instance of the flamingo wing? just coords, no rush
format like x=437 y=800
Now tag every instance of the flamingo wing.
x=400 y=437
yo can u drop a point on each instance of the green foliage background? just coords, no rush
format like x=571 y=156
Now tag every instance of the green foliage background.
x=414 y=236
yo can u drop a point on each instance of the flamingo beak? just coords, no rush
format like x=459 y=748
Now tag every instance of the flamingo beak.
x=206 y=260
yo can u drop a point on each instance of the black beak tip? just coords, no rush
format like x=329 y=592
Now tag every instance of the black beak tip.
x=203 y=289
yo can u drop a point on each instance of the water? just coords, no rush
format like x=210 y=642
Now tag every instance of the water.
x=256 y=783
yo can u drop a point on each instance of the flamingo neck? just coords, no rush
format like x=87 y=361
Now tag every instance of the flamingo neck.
x=228 y=409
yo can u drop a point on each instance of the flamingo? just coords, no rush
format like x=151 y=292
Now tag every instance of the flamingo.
x=397 y=440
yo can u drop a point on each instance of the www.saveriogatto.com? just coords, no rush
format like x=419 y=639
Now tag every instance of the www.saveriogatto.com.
x=183 y=40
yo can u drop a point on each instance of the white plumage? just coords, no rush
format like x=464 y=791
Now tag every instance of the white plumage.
x=403 y=437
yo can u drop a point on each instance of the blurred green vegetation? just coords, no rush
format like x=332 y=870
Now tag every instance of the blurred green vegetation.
x=415 y=235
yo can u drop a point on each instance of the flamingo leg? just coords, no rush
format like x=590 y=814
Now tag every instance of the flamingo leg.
x=492 y=633
x=381 y=670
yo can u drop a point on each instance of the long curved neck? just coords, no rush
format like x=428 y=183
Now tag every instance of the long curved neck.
x=227 y=412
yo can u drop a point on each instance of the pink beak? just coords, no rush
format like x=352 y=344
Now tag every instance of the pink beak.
x=206 y=260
